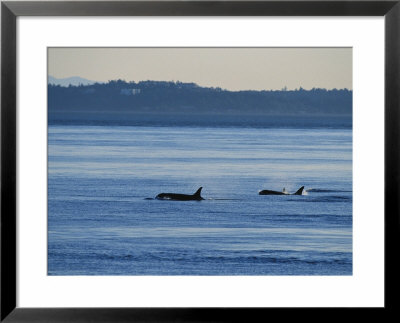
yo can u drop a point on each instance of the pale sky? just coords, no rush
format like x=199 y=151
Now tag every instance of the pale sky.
x=228 y=68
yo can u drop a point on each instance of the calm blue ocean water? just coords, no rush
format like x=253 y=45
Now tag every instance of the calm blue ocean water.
x=102 y=219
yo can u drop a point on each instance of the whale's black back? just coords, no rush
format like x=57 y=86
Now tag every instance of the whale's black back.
x=269 y=192
x=181 y=197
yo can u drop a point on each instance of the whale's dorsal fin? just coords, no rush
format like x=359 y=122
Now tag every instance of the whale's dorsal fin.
x=197 y=194
x=299 y=191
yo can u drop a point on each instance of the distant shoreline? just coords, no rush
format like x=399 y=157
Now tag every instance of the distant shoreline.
x=171 y=120
x=187 y=102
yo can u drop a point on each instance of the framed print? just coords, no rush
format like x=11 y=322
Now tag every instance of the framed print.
x=197 y=161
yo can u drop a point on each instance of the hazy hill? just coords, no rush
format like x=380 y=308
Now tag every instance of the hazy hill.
x=149 y=101
x=74 y=80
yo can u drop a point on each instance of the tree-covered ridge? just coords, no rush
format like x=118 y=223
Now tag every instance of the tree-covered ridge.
x=178 y=97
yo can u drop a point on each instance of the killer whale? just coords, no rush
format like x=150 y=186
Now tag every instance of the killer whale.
x=180 y=197
x=269 y=192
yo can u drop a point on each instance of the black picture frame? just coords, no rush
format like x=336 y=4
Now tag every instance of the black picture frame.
x=10 y=10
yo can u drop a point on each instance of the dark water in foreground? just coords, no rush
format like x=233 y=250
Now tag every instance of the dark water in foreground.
x=102 y=222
